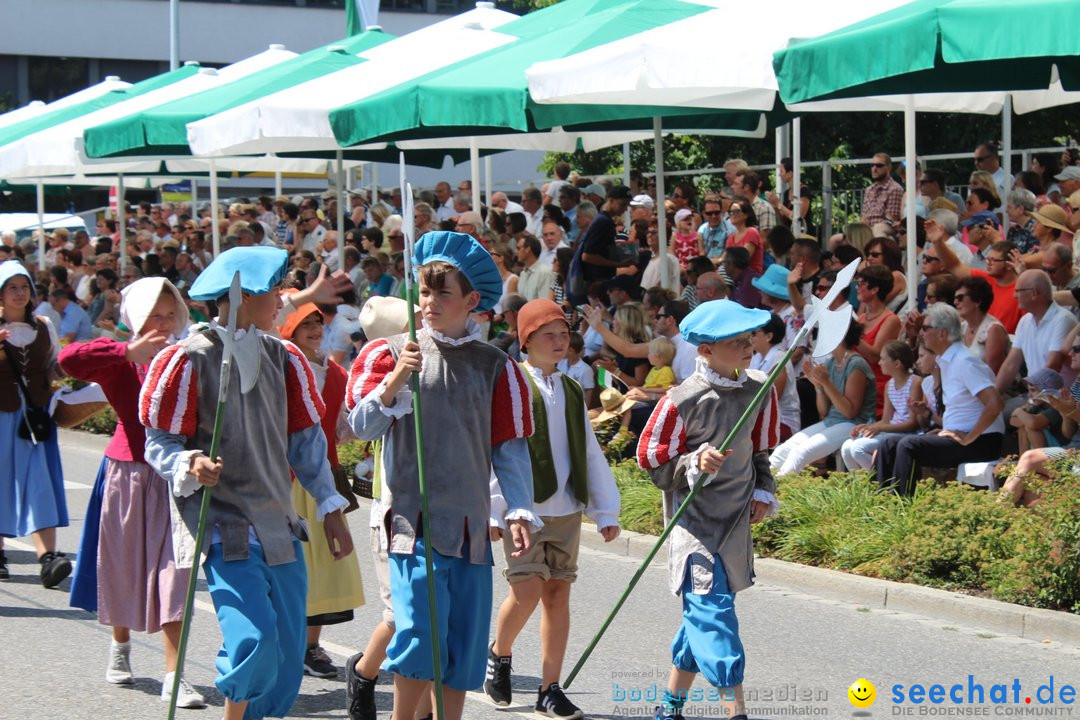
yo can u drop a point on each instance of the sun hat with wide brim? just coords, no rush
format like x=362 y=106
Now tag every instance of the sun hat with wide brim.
x=614 y=404
x=1051 y=216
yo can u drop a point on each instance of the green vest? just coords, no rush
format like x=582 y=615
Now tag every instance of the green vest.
x=545 y=483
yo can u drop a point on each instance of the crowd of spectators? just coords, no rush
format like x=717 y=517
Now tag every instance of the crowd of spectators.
x=979 y=364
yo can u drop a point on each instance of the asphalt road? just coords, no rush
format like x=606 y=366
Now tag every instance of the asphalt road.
x=802 y=651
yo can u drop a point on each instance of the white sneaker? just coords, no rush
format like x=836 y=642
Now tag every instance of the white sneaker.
x=119 y=670
x=188 y=697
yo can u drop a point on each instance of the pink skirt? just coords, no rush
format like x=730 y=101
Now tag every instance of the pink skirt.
x=139 y=585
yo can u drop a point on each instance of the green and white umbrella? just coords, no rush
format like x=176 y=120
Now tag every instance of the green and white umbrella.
x=56 y=150
x=162 y=130
x=942 y=46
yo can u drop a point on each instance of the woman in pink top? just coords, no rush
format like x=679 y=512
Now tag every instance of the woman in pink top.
x=135 y=584
x=746 y=234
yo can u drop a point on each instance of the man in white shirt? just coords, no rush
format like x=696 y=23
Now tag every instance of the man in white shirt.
x=986 y=158
x=444 y=209
x=552 y=238
x=973 y=424
x=1039 y=334
x=534 y=281
x=533 y=204
x=309 y=232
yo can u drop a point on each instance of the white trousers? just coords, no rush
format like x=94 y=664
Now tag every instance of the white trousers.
x=858 y=453
x=808 y=445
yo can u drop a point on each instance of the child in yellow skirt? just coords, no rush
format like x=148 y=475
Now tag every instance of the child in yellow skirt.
x=334 y=586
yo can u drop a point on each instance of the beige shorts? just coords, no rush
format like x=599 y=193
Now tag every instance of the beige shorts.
x=382 y=572
x=554 y=551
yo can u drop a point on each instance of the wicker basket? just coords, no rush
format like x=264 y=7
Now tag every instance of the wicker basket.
x=69 y=416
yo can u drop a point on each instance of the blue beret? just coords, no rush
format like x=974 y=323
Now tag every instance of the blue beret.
x=261 y=268
x=720 y=319
x=463 y=252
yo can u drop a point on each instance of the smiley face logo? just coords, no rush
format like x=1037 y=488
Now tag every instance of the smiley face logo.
x=862 y=693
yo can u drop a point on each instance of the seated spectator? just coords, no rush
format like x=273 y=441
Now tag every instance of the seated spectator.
x=1034 y=462
x=768 y=345
x=717 y=227
x=941 y=288
x=1021 y=233
x=508 y=340
x=746 y=234
x=880 y=325
x=712 y=286
x=896 y=362
x=736 y=264
x=1039 y=334
x=846 y=397
x=982 y=231
x=885 y=252
x=1051 y=226
x=972 y=426
x=629 y=324
x=534 y=279
x=661 y=355
x=983 y=334
x=75 y=325
x=1037 y=423
x=574 y=365
x=557 y=288
x=774 y=296
x=698 y=266
x=379 y=283
x=661 y=271
x=778 y=245
x=943 y=220
x=926 y=394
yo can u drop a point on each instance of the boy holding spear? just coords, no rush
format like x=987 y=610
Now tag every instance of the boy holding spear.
x=477 y=405
x=254 y=567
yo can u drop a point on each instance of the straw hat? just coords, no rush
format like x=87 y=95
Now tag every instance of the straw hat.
x=1074 y=200
x=1051 y=216
x=614 y=404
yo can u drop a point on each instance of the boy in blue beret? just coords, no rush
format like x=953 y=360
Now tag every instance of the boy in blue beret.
x=253 y=561
x=710 y=551
x=477 y=411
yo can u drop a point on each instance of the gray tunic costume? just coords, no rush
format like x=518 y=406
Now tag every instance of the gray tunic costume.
x=476 y=413
x=701 y=411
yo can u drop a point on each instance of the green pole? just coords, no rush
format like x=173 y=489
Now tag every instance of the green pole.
x=421 y=472
x=189 y=600
x=743 y=419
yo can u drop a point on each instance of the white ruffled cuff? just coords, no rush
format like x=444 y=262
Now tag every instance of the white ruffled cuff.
x=765 y=496
x=329 y=505
x=402 y=400
x=184 y=483
x=523 y=514
x=693 y=465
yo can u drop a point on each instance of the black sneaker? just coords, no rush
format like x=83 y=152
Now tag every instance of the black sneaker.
x=54 y=568
x=318 y=664
x=4 y=573
x=359 y=692
x=662 y=715
x=554 y=703
x=497 y=680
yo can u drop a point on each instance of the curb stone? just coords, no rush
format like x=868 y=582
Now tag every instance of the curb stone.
x=992 y=615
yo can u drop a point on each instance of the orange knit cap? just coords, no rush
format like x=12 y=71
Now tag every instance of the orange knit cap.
x=534 y=315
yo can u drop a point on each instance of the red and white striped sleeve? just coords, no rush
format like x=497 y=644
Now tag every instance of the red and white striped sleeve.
x=511 y=406
x=663 y=438
x=169 y=398
x=374 y=363
x=305 y=404
x=766 y=433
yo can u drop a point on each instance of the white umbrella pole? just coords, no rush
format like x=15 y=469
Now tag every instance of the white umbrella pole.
x=375 y=184
x=41 y=225
x=912 y=182
x=778 y=153
x=796 y=176
x=215 y=226
x=174 y=34
x=121 y=221
x=626 y=179
x=474 y=168
x=661 y=212
x=340 y=219
x=1006 y=156
x=277 y=184
x=489 y=183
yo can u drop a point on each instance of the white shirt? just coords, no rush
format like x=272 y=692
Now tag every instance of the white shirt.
x=534 y=223
x=313 y=238
x=790 y=408
x=962 y=252
x=547 y=257
x=579 y=371
x=446 y=210
x=604 y=500
x=963 y=377
x=685 y=357
x=535 y=281
x=1038 y=338
x=661 y=272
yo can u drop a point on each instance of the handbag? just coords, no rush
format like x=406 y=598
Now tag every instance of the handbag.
x=37 y=425
x=344 y=488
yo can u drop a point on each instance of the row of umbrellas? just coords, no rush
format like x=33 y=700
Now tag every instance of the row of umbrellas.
x=580 y=73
